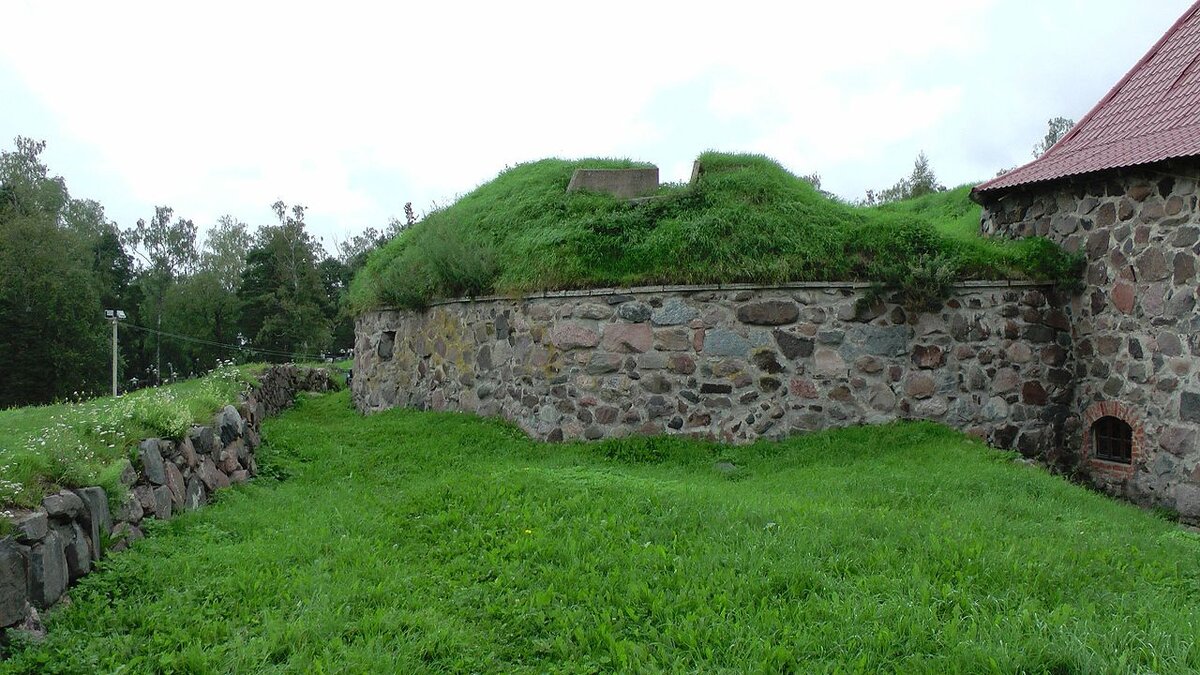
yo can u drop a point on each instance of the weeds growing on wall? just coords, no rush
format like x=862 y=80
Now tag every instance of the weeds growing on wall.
x=745 y=220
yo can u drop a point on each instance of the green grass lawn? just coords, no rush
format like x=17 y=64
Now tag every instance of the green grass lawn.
x=44 y=448
x=745 y=220
x=430 y=542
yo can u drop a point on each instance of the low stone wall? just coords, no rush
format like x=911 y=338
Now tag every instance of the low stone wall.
x=56 y=544
x=733 y=364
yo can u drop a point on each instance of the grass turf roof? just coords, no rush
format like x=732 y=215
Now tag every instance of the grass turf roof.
x=746 y=219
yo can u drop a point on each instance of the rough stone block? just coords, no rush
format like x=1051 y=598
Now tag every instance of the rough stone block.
x=76 y=549
x=572 y=335
x=674 y=312
x=230 y=425
x=62 y=506
x=203 y=439
x=176 y=485
x=627 y=337
x=195 y=495
x=152 y=461
x=1189 y=407
x=162 y=502
x=724 y=342
x=47 y=571
x=14 y=582
x=769 y=313
x=32 y=527
x=98 y=519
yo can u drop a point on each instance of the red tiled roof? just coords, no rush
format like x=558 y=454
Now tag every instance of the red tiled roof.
x=1152 y=114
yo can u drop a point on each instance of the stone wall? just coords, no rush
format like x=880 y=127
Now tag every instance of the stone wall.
x=1136 y=327
x=733 y=364
x=56 y=544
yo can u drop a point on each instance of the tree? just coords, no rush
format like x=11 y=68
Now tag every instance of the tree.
x=52 y=329
x=224 y=252
x=281 y=296
x=921 y=181
x=1056 y=128
x=167 y=250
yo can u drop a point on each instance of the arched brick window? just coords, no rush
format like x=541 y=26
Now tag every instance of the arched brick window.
x=1113 y=439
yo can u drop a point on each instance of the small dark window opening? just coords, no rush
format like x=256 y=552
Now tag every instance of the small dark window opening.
x=1112 y=440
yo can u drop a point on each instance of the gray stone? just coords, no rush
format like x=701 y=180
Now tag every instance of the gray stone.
x=32 y=527
x=793 y=347
x=76 y=549
x=129 y=474
x=674 y=312
x=229 y=426
x=724 y=342
x=881 y=340
x=831 y=337
x=829 y=363
x=636 y=312
x=1189 y=407
x=769 y=313
x=175 y=484
x=99 y=520
x=672 y=340
x=202 y=439
x=131 y=510
x=152 y=461
x=47 y=571
x=14 y=582
x=919 y=386
x=63 y=505
x=881 y=398
x=593 y=311
x=162 y=502
x=601 y=363
x=145 y=496
x=1187 y=502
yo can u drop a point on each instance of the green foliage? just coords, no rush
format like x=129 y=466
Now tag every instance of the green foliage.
x=1056 y=128
x=51 y=323
x=420 y=542
x=82 y=444
x=919 y=183
x=745 y=220
x=282 y=300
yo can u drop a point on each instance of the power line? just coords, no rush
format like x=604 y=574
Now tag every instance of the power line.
x=211 y=343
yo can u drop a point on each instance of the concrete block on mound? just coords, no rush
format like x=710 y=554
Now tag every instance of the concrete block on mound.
x=622 y=183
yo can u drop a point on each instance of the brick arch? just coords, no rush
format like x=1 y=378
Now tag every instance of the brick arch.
x=1125 y=413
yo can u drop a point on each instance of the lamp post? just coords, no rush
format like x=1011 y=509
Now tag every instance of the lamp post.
x=114 y=315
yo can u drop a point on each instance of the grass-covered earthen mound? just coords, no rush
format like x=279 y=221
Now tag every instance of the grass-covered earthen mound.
x=746 y=219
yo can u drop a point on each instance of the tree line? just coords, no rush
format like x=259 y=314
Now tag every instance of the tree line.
x=271 y=293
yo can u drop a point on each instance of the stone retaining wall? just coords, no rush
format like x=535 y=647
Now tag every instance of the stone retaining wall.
x=56 y=544
x=733 y=364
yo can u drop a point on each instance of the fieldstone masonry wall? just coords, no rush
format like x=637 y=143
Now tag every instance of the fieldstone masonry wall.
x=733 y=364
x=56 y=544
x=1136 y=326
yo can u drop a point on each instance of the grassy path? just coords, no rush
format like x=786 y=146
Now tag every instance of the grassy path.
x=433 y=542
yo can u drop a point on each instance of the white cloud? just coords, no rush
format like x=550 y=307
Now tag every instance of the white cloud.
x=355 y=108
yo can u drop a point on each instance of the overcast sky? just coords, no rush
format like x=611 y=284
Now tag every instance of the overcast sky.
x=355 y=108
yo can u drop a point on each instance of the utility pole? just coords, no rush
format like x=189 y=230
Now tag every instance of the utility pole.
x=114 y=315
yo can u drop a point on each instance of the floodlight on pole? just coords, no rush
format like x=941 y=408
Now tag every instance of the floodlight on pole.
x=114 y=315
